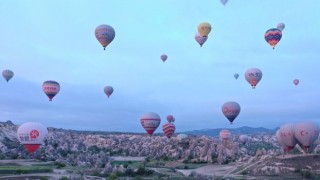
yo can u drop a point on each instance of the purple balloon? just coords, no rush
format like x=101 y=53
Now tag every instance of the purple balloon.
x=200 y=39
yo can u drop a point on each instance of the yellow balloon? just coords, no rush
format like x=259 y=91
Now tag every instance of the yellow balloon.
x=204 y=29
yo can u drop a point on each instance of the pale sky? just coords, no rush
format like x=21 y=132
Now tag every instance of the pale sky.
x=54 y=40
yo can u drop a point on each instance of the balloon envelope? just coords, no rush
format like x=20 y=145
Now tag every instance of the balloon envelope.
x=236 y=75
x=200 y=39
x=164 y=57
x=306 y=133
x=105 y=34
x=51 y=88
x=204 y=29
x=296 y=82
x=225 y=134
x=168 y=129
x=243 y=138
x=7 y=74
x=279 y=139
x=287 y=136
x=224 y=2
x=182 y=136
x=281 y=26
x=273 y=36
x=108 y=90
x=253 y=76
x=32 y=135
x=231 y=110
x=150 y=122
x=170 y=119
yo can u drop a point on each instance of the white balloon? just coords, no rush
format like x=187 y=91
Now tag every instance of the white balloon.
x=253 y=76
x=32 y=135
x=281 y=141
x=182 y=136
x=306 y=133
x=281 y=26
x=287 y=136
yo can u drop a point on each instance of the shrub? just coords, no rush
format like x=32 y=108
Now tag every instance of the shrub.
x=297 y=170
x=306 y=174
x=244 y=172
x=60 y=165
x=112 y=177
x=129 y=172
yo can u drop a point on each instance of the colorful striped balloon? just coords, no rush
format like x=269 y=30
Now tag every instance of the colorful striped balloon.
x=105 y=35
x=168 y=129
x=51 y=88
x=150 y=122
x=273 y=36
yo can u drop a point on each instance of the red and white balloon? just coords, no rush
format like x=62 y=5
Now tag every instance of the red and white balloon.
x=150 y=122
x=32 y=135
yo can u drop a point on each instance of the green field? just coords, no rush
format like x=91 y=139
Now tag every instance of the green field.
x=5 y=170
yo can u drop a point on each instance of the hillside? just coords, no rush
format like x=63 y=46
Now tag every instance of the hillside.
x=241 y=130
x=94 y=153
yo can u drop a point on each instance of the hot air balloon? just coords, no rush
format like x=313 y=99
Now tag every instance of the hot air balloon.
x=236 y=75
x=170 y=119
x=225 y=134
x=200 y=39
x=164 y=57
x=281 y=141
x=244 y=138
x=281 y=26
x=204 y=29
x=108 y=90
x=306 y=133
x=7 y=74
x=51 y=88
x=287 y=136
x=253 y=76
x=32 y=135
x=224 y=2
x=231 y=110
x=150 y=122
x=182 y=136
x=105 y=35
x=168 y=129
x=296 y=82
x=273 y=36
